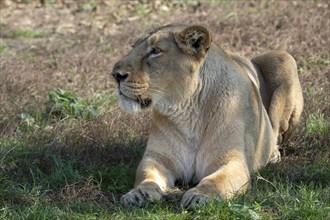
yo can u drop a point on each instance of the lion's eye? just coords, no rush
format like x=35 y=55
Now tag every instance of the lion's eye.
x=155 y=52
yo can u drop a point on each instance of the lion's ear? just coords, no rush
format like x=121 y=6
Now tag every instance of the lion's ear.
x=194 y=40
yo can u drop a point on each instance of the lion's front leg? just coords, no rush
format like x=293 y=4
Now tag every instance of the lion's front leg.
x=226 y=182
x=152 y=179
x=147 y=191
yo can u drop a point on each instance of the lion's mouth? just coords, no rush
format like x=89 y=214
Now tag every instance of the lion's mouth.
x=144 y=102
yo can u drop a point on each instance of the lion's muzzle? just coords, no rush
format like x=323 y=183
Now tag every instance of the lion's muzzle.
x=119 y=75
x=132 y=91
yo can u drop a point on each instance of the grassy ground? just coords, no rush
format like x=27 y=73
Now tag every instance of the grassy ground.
x=68 y=152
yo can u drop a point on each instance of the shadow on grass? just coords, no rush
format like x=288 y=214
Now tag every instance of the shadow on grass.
x=48 y=169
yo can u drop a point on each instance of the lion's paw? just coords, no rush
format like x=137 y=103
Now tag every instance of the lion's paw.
x=147 y=192
x=276 y=156
x=194 y=198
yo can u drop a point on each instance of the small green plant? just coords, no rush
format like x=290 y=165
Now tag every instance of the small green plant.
x=3 y=48
x=64 y=104
x=109 y=48
x=255 y=10
x=51 y=63
x=87 y=6
x=30 y=122
x=141 y=10
x=301 y=70
x=72 y=70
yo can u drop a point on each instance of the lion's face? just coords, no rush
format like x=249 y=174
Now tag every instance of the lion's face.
x=162 y=68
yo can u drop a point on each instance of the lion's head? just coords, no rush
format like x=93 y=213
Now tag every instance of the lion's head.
x=162 y=68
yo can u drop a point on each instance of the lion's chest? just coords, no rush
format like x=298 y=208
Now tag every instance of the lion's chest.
x=188 y=155
x=182 y=134
x=191 y=161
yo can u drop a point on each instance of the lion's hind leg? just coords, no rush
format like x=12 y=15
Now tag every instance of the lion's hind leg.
x=294 y=119
x=277 y=109
x=279 y=70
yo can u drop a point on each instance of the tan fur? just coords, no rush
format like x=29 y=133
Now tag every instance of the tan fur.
x=210 y=126
x=279 y=87
x=286 y=100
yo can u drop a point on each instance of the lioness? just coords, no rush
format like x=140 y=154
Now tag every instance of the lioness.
x=210 y=126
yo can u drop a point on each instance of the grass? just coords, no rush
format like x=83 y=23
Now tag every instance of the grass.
x=316 y=123
x=64 y=105
x=68 y=152
x=27 y=33
x=88 y=6
x=85 y=197
x=3 y=48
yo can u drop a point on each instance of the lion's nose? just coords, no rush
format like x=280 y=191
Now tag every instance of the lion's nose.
x=118 y=75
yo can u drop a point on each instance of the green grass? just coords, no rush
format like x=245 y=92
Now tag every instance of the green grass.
x=84 y=198
x=318 y=60
x=141 y=10
x=87 y=6
x=316 y=123
x=27 y=33
x=24 y=1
